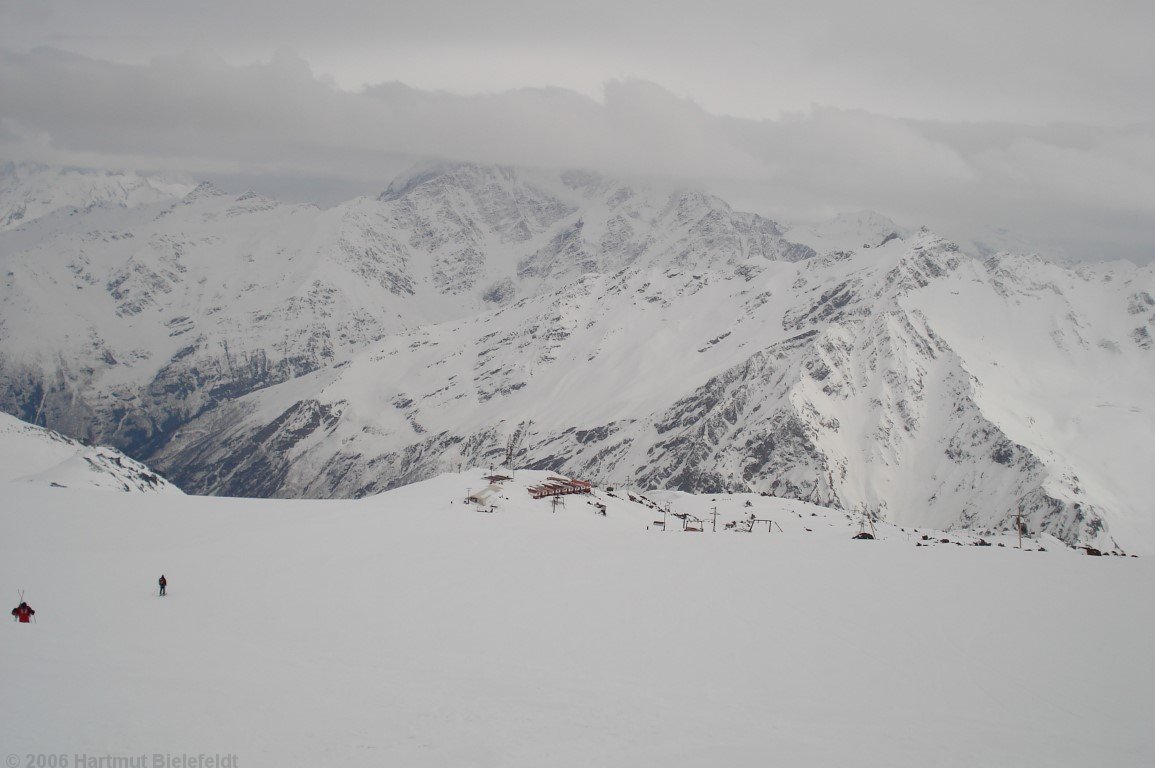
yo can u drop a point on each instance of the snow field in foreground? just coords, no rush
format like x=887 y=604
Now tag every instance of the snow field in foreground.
x=410 y=630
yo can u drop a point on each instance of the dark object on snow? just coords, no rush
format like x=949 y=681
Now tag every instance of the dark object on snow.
x=23 y=613
x=163 y=582
x=1092 y=551
x=944 y=541
x=863 y=535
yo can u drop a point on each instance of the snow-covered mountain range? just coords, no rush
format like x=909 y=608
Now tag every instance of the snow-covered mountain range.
x=620 y=332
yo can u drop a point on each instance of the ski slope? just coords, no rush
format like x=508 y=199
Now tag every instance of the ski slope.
x=412 y=629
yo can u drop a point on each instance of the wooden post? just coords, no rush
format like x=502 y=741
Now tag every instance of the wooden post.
x=715 y=515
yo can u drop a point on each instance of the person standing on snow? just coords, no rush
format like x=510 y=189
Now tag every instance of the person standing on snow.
x=23 y=613
x=163 y=583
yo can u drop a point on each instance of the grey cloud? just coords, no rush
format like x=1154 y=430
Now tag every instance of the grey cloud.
x=1082 y=190
x=1027 y=61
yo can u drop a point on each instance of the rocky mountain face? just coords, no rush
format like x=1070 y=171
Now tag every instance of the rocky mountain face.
x=619 y=333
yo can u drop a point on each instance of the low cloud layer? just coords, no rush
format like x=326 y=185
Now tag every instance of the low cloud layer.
x=1031 y=61
x=1079 y=190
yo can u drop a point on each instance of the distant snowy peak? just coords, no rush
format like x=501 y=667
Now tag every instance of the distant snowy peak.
x=206 y=189
x=31 y=454
x=848 y=231
x=29 y=191
x=440 y=174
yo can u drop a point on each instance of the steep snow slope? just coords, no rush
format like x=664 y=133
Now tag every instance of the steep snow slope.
x=28 y=192
x=409 y=629
x=40 y=456
x=1062 y=362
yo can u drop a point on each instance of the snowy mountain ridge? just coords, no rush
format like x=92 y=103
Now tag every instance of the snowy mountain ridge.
x=247 y=347
x=39 y=456
x=31 y=191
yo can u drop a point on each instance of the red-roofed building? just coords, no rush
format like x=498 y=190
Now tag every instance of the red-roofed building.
x=559 y=486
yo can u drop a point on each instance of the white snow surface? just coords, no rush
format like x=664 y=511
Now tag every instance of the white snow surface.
x=32 y=454
x=412 y=629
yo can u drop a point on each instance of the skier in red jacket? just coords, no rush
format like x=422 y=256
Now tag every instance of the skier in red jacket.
x=23 y=613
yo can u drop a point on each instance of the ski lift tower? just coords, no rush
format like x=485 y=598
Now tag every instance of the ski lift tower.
x=1018 y=515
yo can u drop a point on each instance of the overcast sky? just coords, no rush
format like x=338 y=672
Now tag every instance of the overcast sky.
x=1035 y=117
